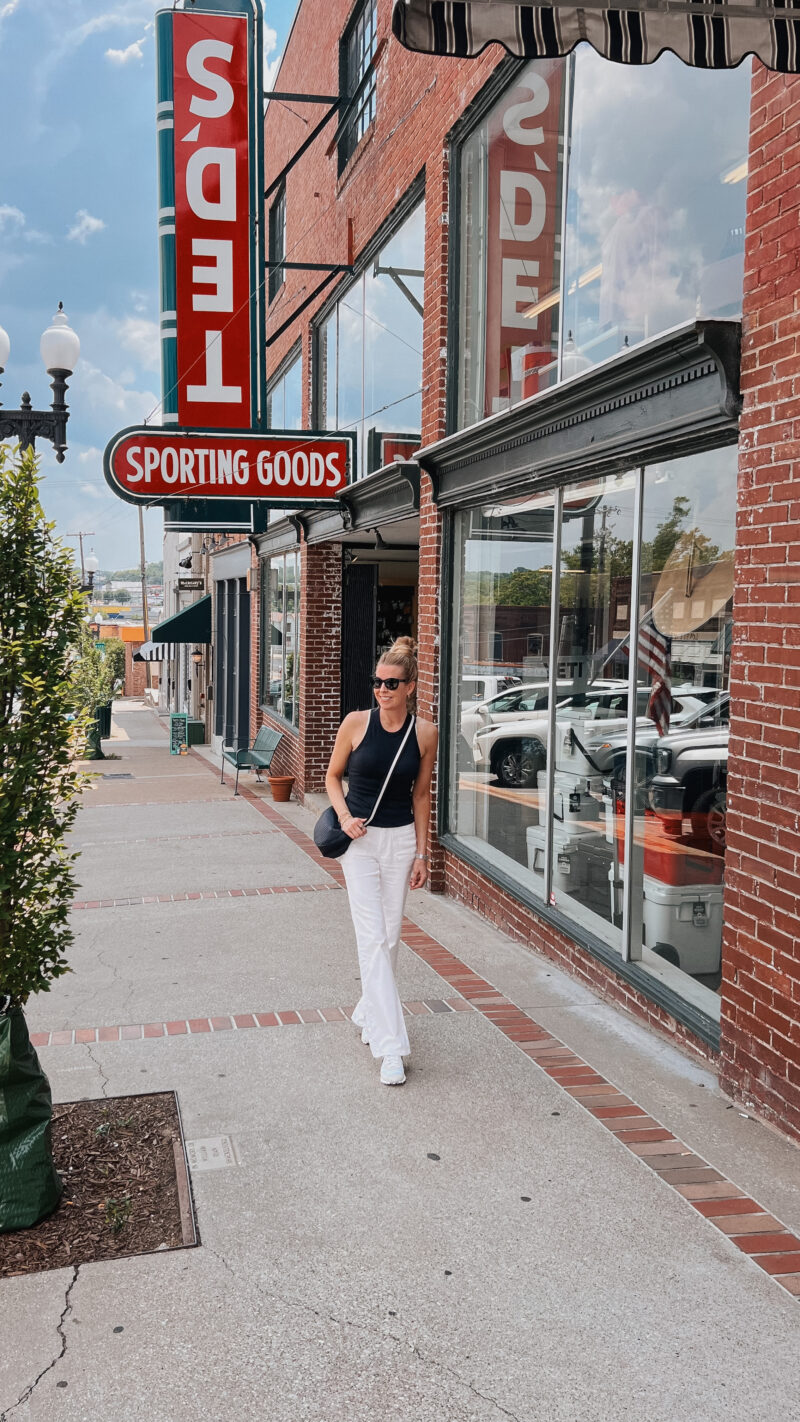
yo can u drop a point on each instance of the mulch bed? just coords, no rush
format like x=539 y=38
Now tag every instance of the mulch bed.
x=117 y=1159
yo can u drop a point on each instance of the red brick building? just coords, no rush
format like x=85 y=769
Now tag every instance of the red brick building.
x=572 y=287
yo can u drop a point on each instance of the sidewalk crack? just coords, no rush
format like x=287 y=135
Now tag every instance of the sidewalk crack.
x=67 y=1309
x=104 y=1082
x=380 y=1333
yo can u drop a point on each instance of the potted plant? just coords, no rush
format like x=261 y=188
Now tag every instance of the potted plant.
x=41 y=612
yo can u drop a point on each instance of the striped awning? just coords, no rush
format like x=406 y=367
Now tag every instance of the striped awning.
x=709 y=34
x=155 y=652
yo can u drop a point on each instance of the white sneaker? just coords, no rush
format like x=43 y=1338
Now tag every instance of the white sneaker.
x=365 y=1036
x=392 y=1073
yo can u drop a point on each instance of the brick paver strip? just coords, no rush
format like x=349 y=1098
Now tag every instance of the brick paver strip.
x=207 y=894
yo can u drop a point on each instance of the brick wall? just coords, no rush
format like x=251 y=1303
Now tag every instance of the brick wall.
x=135 y=683
x=760 y=1057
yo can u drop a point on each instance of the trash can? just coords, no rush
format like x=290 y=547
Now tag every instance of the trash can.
x=103 y=715
x=195 y=732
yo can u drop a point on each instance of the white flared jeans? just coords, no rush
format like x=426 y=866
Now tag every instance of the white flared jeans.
x=377 y=868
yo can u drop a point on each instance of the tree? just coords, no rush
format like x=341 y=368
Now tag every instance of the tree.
x=41 y=616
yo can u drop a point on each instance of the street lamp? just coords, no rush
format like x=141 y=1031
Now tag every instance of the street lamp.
x=59 y=349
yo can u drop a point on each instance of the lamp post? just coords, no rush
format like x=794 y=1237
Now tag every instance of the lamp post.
x=59 y=349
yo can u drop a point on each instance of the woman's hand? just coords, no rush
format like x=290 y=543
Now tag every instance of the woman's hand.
x=419 y=873
x=354 y=827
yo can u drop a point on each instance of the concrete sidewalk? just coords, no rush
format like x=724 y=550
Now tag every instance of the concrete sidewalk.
x=475 y=1245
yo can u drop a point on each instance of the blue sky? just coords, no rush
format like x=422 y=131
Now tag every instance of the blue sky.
x=78 y=225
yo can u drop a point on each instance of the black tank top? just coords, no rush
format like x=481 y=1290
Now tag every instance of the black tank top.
x=367 y=769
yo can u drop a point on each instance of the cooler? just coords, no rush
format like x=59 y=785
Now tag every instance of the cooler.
x=571 y=798
x=686 y=918
x=568 y=866
x=687 y=861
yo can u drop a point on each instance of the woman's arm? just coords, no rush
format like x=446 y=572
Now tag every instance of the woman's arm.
x=428 y=738
x=336 y=769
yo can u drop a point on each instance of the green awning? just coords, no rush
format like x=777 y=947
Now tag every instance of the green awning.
x=191 y=624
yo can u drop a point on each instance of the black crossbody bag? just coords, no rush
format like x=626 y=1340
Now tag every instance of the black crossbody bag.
x=329 y=837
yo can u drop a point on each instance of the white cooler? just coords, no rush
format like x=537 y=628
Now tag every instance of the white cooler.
x=565 y=783
x=569 y=869
x=688 y=918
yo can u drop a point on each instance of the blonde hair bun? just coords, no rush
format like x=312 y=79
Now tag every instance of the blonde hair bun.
x=402 y=654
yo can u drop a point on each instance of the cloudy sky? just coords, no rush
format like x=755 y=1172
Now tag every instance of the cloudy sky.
x=78 y=204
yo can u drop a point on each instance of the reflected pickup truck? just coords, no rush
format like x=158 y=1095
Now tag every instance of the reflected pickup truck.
x=691 y=779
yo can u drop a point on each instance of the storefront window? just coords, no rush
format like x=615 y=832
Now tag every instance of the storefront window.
x=285 y=398
x=280 y=635
x=553 y=591
x=369 y=366
x=600 y=205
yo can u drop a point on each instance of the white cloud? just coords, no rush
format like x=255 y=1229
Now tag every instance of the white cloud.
x=108 y=401
x=11 y=218
x=141 y=337
x=271 y=66
x=84 y=227
x=128 y=55
x=90 y=455
x=96 y=491
x=7 y=10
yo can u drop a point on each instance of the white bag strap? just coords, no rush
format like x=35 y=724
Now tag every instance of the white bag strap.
x=391 y=770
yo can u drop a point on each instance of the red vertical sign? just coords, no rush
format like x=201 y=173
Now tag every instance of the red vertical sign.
x=212 y=219
x=523 y=230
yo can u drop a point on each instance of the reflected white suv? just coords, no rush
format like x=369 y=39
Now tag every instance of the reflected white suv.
x=515 y=751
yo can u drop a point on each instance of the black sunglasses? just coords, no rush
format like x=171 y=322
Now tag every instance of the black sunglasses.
x=390 y=682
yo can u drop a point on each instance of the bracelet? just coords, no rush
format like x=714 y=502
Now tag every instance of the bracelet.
x=421 y=856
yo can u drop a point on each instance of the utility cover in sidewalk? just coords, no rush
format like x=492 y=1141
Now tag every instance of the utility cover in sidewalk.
x=211 y=1153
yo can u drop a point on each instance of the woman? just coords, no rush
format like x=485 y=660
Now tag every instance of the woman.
x=390 y=854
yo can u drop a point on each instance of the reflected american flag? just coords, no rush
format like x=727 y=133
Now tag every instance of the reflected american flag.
x=653 y=652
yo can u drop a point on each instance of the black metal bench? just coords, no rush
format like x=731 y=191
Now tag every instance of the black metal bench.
x=256 y=757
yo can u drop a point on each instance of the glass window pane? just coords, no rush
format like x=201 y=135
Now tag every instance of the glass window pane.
x=350 y=363
x=596 y=568
x=296 y=687
x=656 y=200
x=290 y=637
x=326 y=415
x=276 y=633
x=393 y=335
x=293 y=396
x=511 y=181
x=504 y=575
x=684 y=652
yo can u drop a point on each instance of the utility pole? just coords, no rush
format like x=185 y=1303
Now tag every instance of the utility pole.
x=145 y=614
x=80 y=537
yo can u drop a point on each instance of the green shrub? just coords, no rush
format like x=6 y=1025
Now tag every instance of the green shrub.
x=41 y=620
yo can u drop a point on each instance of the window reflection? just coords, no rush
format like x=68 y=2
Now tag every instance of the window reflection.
x=370 y=351
x=280 y=647
x=651 y=197
x=655 y=200
x=636 y=860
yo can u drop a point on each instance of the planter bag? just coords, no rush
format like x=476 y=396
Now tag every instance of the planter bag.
x=30 y=1187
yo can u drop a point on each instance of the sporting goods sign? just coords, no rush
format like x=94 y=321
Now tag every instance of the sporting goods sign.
x=144 y=465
